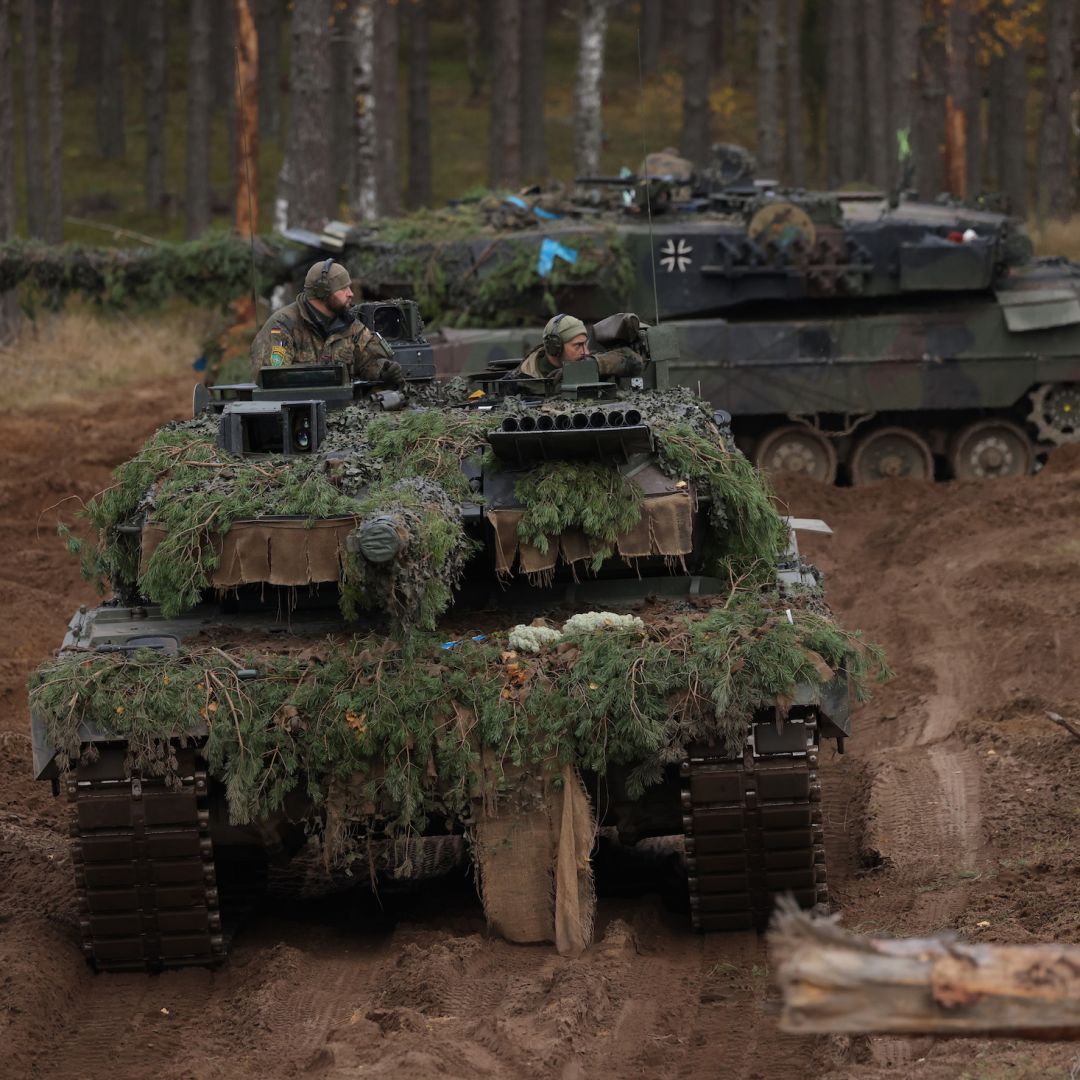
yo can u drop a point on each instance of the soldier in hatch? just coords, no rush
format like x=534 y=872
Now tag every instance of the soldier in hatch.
x=566 y=342
x=319 y=327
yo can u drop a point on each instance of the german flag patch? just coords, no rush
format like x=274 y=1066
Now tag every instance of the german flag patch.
x=277 y=349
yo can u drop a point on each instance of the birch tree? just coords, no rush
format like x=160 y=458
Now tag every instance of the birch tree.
x=363 y=190
x=588 y=101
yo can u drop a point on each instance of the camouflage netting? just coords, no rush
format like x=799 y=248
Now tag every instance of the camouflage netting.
x=422 y=730
x=163 y=528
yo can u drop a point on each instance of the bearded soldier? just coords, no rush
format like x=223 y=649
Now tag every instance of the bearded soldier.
x=566 y=342
x=320 y=327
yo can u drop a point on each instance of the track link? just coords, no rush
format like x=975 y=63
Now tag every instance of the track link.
x=753 y=831
x=144 y=866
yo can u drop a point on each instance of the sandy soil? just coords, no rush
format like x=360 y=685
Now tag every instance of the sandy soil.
x=954 y=806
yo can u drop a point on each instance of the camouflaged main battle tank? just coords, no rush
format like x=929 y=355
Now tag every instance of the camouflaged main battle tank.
x=410 y=628
x=851 y=335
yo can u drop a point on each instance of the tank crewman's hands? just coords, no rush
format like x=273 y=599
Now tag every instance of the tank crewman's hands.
x=370 y=355
x=391 y=374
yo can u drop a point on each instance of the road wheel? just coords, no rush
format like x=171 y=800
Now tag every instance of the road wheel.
x=797 y=451
x=891 y=453
x=990 y=448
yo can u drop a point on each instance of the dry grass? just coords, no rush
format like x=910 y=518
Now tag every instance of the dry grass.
x=68 y=355
x=1056 y=237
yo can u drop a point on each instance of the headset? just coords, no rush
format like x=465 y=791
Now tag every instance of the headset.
x=321 y=289
x=553 y=343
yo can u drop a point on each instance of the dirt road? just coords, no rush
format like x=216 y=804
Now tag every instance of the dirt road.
x=954 y=808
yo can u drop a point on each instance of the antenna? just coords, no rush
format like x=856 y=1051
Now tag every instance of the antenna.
x=645 y=163
x=247 y=178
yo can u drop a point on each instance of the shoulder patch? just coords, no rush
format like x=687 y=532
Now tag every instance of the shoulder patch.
x=277 y=354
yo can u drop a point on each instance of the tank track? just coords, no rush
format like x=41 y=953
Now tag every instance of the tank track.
x=144 y=866
x=753 y=831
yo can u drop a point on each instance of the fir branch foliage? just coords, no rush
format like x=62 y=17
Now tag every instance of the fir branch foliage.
x=412 y=722
x=590 y=496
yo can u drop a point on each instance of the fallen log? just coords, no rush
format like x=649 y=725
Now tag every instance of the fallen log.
x=834 y=981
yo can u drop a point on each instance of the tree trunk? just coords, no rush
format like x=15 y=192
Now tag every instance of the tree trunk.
x=269 y=25
x=197 y=178
x=55 y=217
x=419 y=106
x=768 y=88
x=957 y=96
x=363 y=191
x=9 y=308
x=1055 y=189
x=386 y=111
x=841 y=90
x=475 y=64
x=341 y=104
x=1011 y=137
x=697 y=71
x=533 y=148
x=588 y=97
x=88 y=56
x=794 y=150
x=903 y=89
x=247 y=118
x=504 y=147
x=110 y=96
x=834 y=981
x=878 y=169
x=650 y=28
x=154 y=99
x=929 y=125
x=35 y=168
x=309 y=184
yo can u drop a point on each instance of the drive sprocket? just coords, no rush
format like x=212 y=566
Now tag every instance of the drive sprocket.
x=1055 y=413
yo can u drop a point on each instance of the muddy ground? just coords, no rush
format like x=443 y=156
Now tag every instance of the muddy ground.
x=954 y=807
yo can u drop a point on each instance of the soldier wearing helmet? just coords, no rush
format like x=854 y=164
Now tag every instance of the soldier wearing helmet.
x=320 y=327
x=565 y=342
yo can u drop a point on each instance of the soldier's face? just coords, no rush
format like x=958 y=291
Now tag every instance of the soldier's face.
x=575 y=349
x=338 y=301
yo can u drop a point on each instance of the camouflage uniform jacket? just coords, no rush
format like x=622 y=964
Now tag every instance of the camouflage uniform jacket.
x=298 y=334
x=537 y=364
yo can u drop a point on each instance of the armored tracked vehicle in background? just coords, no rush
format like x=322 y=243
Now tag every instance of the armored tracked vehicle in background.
x=387 y=623
x=851 y=335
